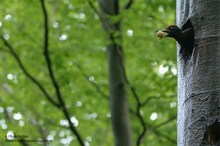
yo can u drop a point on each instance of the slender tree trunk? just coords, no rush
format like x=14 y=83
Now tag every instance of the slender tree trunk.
x=118 y=96
x=199 y=77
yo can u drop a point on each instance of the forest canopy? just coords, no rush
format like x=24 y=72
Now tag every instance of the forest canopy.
x=78 y=55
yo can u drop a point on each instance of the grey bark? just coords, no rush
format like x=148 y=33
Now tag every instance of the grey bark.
x=118 y=96
x=199 y=78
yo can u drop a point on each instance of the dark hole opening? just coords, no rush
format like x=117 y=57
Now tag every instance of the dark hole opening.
x=187 y=25
x=188 y=47
x=212 y=134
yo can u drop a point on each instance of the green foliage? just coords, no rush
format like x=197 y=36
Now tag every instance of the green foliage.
x=78 y=54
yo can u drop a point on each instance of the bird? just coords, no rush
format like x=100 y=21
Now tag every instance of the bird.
x=184 y=37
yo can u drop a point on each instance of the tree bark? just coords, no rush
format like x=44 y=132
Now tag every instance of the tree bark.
x=199 y=77
x=118 y=95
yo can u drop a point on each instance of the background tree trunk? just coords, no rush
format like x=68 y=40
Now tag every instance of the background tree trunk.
x=199 y=77
x=118 y=96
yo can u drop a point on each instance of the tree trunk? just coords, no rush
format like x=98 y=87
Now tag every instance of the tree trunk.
x=118 y=96
x=199 y=77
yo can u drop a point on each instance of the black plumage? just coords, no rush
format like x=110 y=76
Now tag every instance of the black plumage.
x=184 y=37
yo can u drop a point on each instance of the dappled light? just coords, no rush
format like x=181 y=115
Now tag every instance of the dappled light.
x=57 y=78
x=8 y=17
x=17 y=116
x=130 y=32
x=63 y=37
x=153 y=116
x=163 y=69
x=3 y=124
x=10 y=135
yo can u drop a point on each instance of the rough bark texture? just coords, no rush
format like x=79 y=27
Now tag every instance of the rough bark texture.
x=199 y=77
x=118 y=96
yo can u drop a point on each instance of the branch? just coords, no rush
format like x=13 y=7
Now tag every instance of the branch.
x=148 y=100
x=164 y=136
x=133 y=91
x=97 y=87
x=46 y=52
x=120 y=55
x=159 y=134
x=102 y=18
x=12 y=51
x=94 y=8
x=51 y=74
x=138 y=113
x=129 y=4
x=165 y=122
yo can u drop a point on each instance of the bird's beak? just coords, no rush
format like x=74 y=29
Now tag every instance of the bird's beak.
x=162 y=33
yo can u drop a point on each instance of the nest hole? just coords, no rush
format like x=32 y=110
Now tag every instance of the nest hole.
x=187 y=52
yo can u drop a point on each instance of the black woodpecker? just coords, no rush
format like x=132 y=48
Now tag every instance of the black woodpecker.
x=184 y=37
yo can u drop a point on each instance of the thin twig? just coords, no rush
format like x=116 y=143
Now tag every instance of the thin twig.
x=165 y=122
x=148 y=100
x=46 y=52
x=129 y=4
x=97 y=87
x=160 y=135
x=138 y=112
x=51 y=73
x=133 y=91
x=11 y=49
x=101 y=17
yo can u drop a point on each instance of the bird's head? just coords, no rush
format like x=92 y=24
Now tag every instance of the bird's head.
x=171 y=31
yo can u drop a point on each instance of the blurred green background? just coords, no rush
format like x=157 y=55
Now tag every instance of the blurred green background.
x=78 y=53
